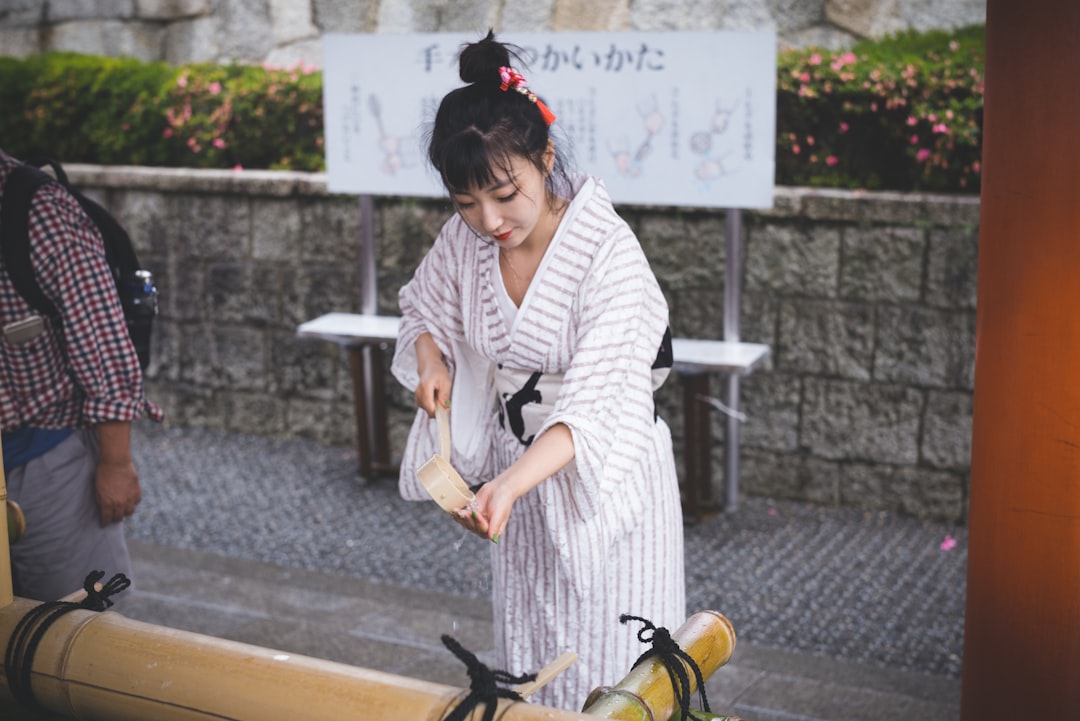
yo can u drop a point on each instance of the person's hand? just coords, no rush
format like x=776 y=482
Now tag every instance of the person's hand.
x=434 y=387
x=489 y=514
x=117 y=490
x=435 y=382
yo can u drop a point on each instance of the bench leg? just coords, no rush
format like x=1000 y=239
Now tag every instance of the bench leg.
x=697 y=445
x=358 y=367
x=369 y=409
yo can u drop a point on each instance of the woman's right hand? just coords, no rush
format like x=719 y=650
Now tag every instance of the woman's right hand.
x=435 y=382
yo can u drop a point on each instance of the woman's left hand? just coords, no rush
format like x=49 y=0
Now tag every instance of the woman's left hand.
x=489 y=514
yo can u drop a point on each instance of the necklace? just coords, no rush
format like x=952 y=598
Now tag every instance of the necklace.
x=521 y=282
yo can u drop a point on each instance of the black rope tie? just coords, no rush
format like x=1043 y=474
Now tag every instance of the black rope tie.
x=667 y=650
x=483 y=684
x=25 y=639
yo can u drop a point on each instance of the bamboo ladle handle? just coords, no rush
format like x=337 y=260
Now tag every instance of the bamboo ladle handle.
x=547 y=673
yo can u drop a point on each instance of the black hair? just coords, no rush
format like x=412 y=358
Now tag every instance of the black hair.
x=479 y=127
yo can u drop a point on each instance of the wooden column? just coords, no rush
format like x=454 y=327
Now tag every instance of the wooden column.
x=1022 y=623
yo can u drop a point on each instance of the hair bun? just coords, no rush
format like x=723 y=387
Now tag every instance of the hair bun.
x=480 y=61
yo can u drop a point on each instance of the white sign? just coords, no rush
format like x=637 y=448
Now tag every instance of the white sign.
x=665 y=118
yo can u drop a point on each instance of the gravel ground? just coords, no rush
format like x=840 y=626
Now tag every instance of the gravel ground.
x=869 y=587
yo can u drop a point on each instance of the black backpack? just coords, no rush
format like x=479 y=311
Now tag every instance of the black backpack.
x=134 y=285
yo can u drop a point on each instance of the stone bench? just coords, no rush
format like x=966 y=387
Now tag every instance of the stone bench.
x=694 y=361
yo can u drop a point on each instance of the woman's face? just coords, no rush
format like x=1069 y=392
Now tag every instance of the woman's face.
x=512 y=210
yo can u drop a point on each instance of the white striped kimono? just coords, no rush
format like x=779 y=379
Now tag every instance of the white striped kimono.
x=604 y=535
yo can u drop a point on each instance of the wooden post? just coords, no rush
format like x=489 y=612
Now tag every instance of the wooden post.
x=1022 y=621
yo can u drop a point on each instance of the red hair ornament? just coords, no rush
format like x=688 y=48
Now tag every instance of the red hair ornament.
x=512 y=79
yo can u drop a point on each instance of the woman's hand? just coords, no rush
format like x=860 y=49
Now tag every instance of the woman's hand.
x=488 y=515
x=435 y=382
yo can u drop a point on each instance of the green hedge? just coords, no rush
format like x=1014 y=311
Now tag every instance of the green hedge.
x=900 y=114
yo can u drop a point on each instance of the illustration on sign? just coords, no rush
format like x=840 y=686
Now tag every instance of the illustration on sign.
x=663 y=118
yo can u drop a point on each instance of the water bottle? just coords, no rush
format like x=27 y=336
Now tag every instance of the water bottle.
x=139 y=298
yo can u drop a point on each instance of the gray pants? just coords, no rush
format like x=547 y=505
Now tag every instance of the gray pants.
x=64 y=540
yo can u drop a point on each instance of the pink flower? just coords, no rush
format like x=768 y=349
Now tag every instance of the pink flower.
x=796 y=149
x=215 y=88
x=166 y=133
x=844 y=127
x=914 y=139
x=949 y=543
x=912 y=120
x=922 y=155
x=219 y=143
x=815 y=59
x=941 y=128
x=976 y=166
x=182 y=81
x=831 y=160
x=237 y=168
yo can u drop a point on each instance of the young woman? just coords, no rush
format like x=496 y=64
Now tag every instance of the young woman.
x=537 y=314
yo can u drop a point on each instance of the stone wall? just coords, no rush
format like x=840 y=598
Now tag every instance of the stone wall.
x=867 y=300
x=286 y=32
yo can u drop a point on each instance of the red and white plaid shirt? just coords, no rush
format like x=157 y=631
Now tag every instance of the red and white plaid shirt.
x=87 y=371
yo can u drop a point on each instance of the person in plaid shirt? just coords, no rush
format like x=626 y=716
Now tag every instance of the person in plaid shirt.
x=68 y=394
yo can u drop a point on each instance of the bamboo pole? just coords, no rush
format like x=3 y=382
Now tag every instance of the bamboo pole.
x=104 y=666
x=646 y=694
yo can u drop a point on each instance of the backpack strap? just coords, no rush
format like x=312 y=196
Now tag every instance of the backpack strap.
x=19 y=189
x=119 y=250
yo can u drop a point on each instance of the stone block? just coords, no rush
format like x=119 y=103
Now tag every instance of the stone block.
x=684 y=250
x=213 y=227
x=245 y=32
x=276 y=229
x=259 y=414
x=882 y=263
x=165 y=340
x=785 y=258
x=20 y=15
x=140 y=40
x=244 y=293
x=330 y=232
x=183 y=291
x=946 y=437
x=61 y=10
x=789 y=476
x=697 y=313
x=865 y=18
x=426 y=16
x=826 y=338
x=529 y=17
x=308 y=291
x=771 y=404
x=330 y=423
x=19 y=42
x=404 y=230
x=760 y=313
x=597 y=15
x=914 y=491
x=952 y=268
x=291 y=21
x=172 y=9
x=231 y=358
x=191 y=41
x=925 y=347
x=667 y=15
x=344 y=16
x=926 y=15
x=309 y=367
x=845 y=420
x=189 y=405
x=149 y=218
x=307 y=52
